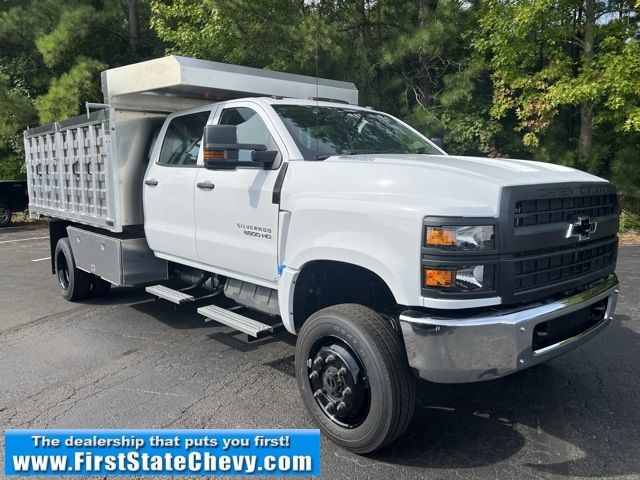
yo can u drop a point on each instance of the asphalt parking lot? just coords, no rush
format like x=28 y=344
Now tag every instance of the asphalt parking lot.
x=130 y=361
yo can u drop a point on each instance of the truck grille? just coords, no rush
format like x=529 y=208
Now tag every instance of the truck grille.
x=539 y=268
x=539 y=253
x=553 y=210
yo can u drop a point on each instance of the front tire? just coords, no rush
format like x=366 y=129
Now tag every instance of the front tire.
x=73 y=283
x=5 y=215
x=354 y=377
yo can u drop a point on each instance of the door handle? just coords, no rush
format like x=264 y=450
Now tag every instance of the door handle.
x=205 y=185
x=152 y=182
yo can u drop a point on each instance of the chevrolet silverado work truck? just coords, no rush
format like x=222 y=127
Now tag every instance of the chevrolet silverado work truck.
x=268 y=200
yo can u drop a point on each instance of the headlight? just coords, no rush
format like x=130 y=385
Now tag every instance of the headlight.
x=477 y=237
x=461 y=278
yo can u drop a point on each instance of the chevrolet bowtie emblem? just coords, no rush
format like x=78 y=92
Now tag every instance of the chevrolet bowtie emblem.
x=581 y=227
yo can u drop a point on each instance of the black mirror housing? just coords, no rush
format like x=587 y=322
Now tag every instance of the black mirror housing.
x=220 y=149
x=220 y=135
x=266 y=157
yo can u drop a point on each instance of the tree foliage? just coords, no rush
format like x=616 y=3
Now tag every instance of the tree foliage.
x=553 y=80
x=51 y=53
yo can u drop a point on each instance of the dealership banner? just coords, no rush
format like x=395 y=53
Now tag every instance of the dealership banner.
x=162 y=452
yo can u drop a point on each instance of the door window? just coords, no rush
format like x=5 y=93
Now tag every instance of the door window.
x=250 y=129
x=181 y=143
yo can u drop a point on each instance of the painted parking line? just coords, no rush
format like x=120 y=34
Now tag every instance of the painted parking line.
x=41 y=259
x=23 y=239
x=24 y=228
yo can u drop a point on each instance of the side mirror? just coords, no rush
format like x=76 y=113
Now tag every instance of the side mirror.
x=220 y=148
x=437 y=142
x=218 y=141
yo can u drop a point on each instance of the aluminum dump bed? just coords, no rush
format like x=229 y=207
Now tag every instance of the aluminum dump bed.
x=184 y=79
x=89 y=169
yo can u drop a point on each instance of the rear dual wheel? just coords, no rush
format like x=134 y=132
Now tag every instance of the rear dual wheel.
x=75 y=284
x=354 y=377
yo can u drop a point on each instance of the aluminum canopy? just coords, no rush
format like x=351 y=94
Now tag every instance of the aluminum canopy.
x=176 y=82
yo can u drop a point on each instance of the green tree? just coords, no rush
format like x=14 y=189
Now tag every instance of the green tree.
x=568 y=71
x=50 y=56
x=547 y=56
x=67 y=93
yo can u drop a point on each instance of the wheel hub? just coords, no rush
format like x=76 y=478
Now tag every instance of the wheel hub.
x=339 y=383
x=332 y=382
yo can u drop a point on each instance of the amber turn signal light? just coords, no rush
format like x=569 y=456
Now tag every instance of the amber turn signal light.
x=438 y=278
x=438 y=236
x=215 y=154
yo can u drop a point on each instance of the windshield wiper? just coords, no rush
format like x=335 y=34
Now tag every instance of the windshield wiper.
x=368 y=152
x=353 y=152
x=361 y=152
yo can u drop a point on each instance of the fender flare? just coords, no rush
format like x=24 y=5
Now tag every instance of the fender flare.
x=288 y=278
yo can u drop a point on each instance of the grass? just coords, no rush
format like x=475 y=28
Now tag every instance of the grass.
x=22 y=218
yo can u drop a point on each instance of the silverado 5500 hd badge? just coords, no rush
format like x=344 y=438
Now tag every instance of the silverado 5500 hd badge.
x=255 y=230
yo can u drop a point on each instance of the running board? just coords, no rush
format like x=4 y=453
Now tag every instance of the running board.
x=235 y=321
x=169 y=294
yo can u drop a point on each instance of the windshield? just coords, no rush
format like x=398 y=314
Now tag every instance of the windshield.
x=321 y=132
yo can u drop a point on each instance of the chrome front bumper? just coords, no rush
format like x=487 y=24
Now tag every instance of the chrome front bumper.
x=488 y=346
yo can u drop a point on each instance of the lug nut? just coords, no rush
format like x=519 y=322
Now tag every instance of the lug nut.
x=317 y=393
x=342 y=371
x=330 y=358
x=346 y=392
x=313 y=375
x=341 y=406
x=318 y=360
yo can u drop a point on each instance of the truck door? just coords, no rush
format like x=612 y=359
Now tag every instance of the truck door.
x=236 y=219
x=169 y=217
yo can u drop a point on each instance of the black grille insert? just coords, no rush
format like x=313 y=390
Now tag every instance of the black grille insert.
x=537 y=268
x=555 y=210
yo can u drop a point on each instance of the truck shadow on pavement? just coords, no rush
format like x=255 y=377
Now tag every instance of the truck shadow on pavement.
x=574 y=416
x=119 y=296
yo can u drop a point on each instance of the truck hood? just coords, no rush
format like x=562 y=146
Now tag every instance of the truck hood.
x=416 y=185
x=500 y=171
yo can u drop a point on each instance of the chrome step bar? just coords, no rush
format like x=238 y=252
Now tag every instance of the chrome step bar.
x=236 y=321
x=169 y=294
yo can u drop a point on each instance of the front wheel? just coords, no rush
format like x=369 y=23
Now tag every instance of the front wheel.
x=5 y=215
x=354 y=377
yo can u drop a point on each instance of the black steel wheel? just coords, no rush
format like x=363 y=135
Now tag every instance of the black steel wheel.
x=73 y=283
x=339 y=382
x=354 y=377
x=5 y=215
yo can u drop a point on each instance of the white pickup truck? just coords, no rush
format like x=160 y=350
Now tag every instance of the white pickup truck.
x=230 y=189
